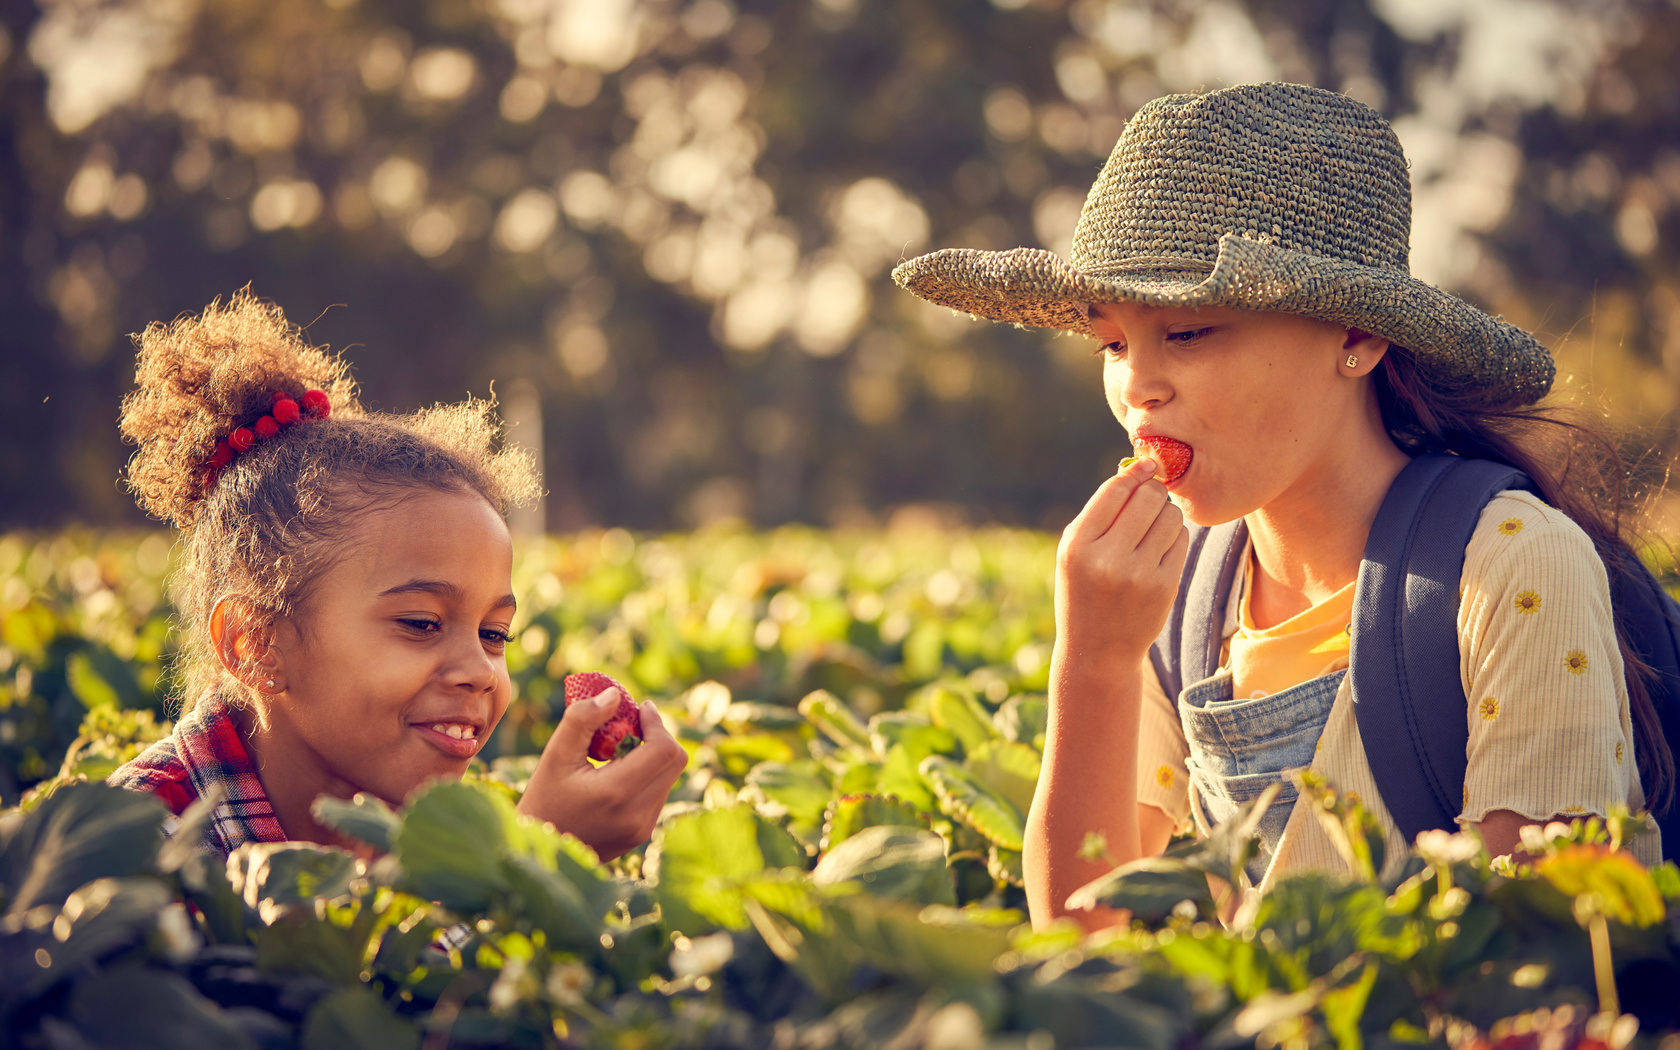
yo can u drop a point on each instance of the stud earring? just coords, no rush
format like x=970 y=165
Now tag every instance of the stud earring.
x=1352 y=361
x=268 y=686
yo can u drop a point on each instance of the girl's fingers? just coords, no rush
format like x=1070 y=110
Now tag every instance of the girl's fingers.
x=578 y=725
x=1104 y=507
x=655 y=762
x=1162 y=533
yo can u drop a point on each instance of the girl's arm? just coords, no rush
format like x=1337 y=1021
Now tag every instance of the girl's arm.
x=1117 y=571
x=1088 y=785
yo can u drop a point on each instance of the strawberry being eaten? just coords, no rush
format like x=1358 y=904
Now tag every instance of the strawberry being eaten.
x=1172 y=455
x=623 y=731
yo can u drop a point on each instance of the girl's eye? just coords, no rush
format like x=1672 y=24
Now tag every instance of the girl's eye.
x=422 y=625
x=1189 y=335
x=1114 y=349
x=495 y=636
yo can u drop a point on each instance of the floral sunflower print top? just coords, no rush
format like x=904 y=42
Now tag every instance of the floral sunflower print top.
x=1550 y=726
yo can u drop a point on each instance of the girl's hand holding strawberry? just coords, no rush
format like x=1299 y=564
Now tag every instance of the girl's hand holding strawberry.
x=1117 y=569
x=612 y=807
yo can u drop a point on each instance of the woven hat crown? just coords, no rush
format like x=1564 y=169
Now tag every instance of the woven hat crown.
x=1281 y=164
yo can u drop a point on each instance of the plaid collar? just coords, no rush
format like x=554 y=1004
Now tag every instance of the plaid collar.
x=213 y=752
x=206 y=755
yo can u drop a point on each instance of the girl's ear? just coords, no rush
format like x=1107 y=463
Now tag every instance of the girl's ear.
x=1361 y=353
x=244 y=647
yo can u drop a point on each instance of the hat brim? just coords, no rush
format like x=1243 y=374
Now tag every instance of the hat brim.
x=1460 y=347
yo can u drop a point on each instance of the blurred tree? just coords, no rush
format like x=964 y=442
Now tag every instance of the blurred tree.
x=675 y=217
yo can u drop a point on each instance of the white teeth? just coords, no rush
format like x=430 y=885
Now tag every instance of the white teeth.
x=454 y=729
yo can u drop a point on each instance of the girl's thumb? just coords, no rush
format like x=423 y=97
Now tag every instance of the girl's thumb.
x=581 y=720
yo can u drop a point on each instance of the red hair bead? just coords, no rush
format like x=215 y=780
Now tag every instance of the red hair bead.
x=242 y=439
x=285 y=411
x=222 y=456
x=316 y=403
x=267 y=427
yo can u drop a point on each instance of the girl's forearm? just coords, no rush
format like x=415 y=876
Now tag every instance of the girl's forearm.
x=1088 y=784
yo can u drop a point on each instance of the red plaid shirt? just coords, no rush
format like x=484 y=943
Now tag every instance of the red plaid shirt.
x=206 y=749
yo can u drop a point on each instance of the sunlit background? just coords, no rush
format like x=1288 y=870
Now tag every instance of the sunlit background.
x=662 y=231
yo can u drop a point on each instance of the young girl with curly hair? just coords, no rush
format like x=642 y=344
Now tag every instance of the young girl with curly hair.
x=345 y=594
x=1242 y=263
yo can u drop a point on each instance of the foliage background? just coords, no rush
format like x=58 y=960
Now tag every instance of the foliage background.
x=664 y=226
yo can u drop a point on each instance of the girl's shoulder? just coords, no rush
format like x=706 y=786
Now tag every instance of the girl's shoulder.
x=1518 y=532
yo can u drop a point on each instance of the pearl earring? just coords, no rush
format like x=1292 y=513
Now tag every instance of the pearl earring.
x=1352 y=362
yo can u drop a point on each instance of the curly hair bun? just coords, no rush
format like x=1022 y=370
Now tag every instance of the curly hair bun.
x=202 y=377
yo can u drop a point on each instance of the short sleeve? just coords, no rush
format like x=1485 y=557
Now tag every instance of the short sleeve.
x=1163 y=778
x=1550 y=729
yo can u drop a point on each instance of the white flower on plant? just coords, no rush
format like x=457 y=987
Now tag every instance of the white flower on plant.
x=1441 y=847
x=175 y=927
x=703 y=955
x=569 y=982
x=509 y=986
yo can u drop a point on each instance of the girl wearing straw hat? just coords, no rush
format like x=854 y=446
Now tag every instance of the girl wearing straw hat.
x=1242 y=263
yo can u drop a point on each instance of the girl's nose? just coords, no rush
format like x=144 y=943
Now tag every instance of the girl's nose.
x=470 y=667
x=1136 y=382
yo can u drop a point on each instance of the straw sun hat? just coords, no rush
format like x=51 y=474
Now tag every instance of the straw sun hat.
x=1264 y=197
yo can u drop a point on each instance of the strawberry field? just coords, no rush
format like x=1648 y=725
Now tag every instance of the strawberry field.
x=839 y=865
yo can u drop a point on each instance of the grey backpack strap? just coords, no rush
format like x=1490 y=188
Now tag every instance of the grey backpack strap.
x=1404 y=664
x=1188 y=647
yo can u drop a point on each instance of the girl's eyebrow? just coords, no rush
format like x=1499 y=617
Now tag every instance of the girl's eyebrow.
x=443 y=589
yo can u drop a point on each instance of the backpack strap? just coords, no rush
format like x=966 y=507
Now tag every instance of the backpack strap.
x=1187 y=649
x=1404 y=665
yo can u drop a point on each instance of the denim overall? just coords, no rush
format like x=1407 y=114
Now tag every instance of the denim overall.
x=1238 y=748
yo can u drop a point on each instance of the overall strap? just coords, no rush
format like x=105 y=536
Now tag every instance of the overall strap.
x=1404 y=661
x=1187 y=650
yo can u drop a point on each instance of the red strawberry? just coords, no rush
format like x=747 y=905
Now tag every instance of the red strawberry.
x=1173 y=455
x=623 y=730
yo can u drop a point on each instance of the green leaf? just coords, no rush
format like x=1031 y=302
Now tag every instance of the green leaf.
x=965 y=799
x=849 y=814
x=1624 y=889
x=697 y=862
x=1150 y=888
x=289 y=873
x=1005 y=866
x=1232 y=843
x=798 y=787
x=1023 y=717
x=297 y=942
x=357 y=1019
x=956 y=710
x=739 y=754
x=97 y=919
x=450 y=846
x=1344 y=1007
x=743 y=717
x=138 y=1007
x=835 y=721
x=362 y=817
x=1008 y=768
x=914 y=732
x=901 y=776
x=553 y=904
x=83 y=832
x=899 y=863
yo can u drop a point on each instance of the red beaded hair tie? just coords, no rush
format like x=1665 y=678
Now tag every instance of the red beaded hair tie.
x=284 y=412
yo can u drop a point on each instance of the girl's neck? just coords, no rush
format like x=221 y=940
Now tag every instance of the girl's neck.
x=292 y=782
x=1308 y=542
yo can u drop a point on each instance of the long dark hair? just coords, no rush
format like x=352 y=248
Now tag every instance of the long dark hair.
x=1576 y=468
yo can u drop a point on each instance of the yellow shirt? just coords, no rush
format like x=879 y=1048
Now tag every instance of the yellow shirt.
x=1308 y=645
x=1551 y=730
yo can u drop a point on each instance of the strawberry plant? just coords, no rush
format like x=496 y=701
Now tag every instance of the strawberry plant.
x=839 y=865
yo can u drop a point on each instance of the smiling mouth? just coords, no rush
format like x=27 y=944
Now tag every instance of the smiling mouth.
x=455 y=739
